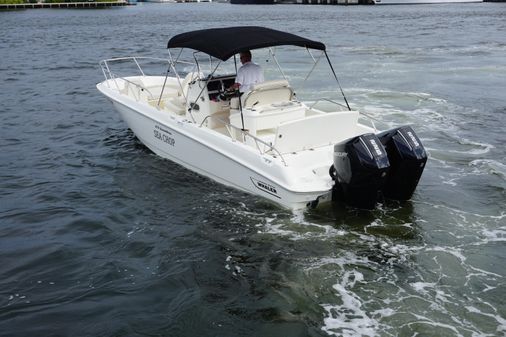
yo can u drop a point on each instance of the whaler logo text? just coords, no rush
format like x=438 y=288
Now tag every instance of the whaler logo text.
x=265 y=187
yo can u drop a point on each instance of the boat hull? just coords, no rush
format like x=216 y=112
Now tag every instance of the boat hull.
x=214 y=156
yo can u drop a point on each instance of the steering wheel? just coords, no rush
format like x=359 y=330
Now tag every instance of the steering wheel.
x=227 y=94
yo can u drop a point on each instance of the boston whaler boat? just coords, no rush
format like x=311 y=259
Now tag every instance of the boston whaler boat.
x=265 y=142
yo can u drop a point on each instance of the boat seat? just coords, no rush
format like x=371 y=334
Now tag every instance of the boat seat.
x=153 y=86
x=261 y=118
x=173 y=99
x=185 y=84
x=315 y=131
x=264 y=93
x=171 y=104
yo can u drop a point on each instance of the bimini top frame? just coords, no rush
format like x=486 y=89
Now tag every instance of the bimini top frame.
x=223 y=43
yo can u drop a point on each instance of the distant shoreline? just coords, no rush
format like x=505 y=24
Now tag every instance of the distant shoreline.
x=77 y=4
x=116 y=3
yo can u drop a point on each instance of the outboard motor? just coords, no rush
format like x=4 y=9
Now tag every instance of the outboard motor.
x=407 y=158
x=359 y=170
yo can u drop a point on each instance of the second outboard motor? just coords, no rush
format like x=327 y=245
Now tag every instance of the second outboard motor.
x=359 y=170
x=407 y=158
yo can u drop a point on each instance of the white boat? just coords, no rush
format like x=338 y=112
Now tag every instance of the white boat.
x=419 y=2
x=266 y=142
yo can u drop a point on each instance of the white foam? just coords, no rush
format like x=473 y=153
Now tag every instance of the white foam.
x=308 y=230
x=355 y=310
x=502 y=322
x=450 y=182
x=348 y=259
x=348 y=319
x=450 y=250
x=489 y=166
x=494 y=235
x=227 y=265
x=385 y=312
x=421 y=287
x=463 y=214
x=465 y=49
x=481 y=272
x=426 y=320
x=271 y=227
x=328 y=231
x=481 y=148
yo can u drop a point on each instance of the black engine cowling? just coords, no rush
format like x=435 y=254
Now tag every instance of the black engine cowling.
x=407 y=158
x=359 y=170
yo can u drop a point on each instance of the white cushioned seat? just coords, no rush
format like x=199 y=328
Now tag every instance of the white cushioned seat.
x=264 y=93
x=267 y=93
x=189 y=78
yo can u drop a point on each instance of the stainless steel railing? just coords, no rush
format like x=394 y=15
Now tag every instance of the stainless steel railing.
x=262 y=146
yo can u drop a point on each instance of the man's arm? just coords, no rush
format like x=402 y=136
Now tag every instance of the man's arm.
x=238 y=80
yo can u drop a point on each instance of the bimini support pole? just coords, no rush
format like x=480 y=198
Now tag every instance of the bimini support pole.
x=173 y=66
x=273 y=54
x=163 y=88
x=339 y=84
x=190 y=108
x=315 y=63
x=240 y=103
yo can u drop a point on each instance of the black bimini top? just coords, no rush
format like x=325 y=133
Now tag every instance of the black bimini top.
x=223 y=43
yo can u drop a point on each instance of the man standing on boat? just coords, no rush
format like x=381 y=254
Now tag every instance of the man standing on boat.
x=248 y=74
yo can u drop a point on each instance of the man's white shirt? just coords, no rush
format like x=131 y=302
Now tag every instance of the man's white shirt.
x=248 y=75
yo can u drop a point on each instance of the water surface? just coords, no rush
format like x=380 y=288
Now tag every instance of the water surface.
x=100 y=237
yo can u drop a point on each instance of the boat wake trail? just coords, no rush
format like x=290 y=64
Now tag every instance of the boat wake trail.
x=383 y=272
